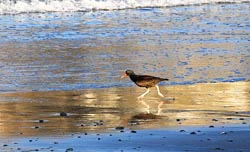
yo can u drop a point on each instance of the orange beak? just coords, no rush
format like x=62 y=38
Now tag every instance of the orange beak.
x=124 y=75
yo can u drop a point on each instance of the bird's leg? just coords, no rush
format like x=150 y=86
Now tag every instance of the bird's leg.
x=158 y=90
x=145 y=104
x=141 y=96
x=159 y=108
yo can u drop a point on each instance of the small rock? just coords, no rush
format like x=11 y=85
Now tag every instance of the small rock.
x=214 y=120
x=244 y=123
x=223 y=133
x=218 y=148
x=69 y=149
x=133 y=131
x=41 y=121
x=193 y=133
x=211 y=126
x=229 y=118
x=133 y=122
x=119 y=128
x=182 y=130
x=119 y=140
x=63 y=114
x=98 y=138
x=178 y=119
x=241 y=119
x=5 y=145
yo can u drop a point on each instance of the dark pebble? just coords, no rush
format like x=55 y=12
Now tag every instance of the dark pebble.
x=178 y=119
x=133 y=131
x=98 y=138
x=218 y=148
x=85 y=133
x=211 y=126
x=241 y=119
x=223 y=133
x=5 y=145
x=229 y=118
x=119 y=128
x=119 y=140
x=36 y=127
x=193 y=133
x=182 y=131
x=30 y=140
x=41 y=121
x=55 y=142
x=133 y=122
x=214 y=120
x=229 y=140
x=244 y=123
x=63 y=114
x=69 y=149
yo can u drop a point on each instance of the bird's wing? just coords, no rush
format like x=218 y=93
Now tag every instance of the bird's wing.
x=147 y=81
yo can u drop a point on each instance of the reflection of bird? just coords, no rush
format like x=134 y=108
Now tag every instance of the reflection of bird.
x=144 y=81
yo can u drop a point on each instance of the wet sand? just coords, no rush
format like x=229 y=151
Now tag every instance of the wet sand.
x=199 y=117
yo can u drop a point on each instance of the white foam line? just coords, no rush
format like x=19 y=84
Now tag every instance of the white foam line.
x=21 y=6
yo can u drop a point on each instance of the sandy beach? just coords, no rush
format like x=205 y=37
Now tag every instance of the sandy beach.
x=200 y=117
x=61 y=62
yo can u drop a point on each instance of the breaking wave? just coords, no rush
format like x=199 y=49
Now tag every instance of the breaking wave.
x=39 y=6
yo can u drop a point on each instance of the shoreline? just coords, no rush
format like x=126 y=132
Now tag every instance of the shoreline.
x=172 y=84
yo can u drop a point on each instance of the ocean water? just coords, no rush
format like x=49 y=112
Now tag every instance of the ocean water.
x=71 y=44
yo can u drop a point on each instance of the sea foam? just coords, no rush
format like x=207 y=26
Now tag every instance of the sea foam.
x=31 y=6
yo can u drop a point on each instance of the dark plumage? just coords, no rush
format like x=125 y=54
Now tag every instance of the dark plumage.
x=146 y=81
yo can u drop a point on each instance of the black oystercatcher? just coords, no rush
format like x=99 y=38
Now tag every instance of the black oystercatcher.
x=146 y=81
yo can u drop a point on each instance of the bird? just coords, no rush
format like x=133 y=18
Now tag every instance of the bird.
x=146 y=81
